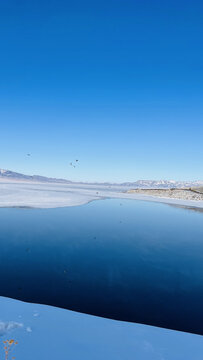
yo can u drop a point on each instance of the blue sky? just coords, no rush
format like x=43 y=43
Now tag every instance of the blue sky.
x=115 y=84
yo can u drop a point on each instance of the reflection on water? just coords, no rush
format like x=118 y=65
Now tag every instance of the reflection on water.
x=127 y=260
x=189 y=208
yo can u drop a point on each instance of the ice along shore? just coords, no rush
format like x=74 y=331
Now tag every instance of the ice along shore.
x=46 y=195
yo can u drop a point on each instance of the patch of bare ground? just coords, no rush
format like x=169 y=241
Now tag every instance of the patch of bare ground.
x=195 y=194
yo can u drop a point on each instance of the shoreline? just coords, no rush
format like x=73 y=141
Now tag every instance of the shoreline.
x=47 y=196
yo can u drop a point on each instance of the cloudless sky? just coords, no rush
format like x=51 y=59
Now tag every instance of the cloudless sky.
x=115 y=84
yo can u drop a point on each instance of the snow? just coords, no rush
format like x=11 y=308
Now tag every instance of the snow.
x=63 y=334
x=46 y=195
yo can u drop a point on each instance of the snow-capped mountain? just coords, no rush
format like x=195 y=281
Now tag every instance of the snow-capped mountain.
x=7 y=174
x=145 y=184
x=163 y=184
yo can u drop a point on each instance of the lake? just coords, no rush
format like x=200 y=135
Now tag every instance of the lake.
x=121 y=259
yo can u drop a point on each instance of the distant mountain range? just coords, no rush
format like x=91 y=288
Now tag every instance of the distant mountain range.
x=7 y=174
x=145 y=184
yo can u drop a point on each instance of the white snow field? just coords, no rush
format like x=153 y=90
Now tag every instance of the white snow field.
x=45 y=195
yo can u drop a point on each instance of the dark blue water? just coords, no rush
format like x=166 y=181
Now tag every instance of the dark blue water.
x=127 y=260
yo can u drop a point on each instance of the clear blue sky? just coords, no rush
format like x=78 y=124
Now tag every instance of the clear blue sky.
x=115 y=84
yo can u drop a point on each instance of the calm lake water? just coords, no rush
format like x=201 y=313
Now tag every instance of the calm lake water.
x=122 y=259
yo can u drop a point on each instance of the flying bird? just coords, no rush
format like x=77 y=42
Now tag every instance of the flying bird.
x=71 y=164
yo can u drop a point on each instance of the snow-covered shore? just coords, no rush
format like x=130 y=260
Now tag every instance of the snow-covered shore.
x=45 y=195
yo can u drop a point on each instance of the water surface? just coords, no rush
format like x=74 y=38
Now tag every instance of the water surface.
x=121 y=259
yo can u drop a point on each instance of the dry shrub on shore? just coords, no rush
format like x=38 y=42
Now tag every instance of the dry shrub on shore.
x=8 y=348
